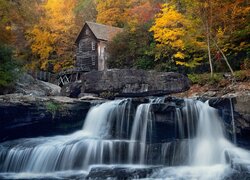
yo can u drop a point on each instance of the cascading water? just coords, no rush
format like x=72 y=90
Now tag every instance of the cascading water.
x=118 y=133
x=142 y=123
x=211 y=155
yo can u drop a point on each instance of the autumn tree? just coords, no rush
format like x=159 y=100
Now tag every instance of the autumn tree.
x=219 y=27
x=218 y=23
x=231 y=30
x=111 y=12
x=85 y=10
x=5 y=21
x=53 y=37
x=174 y=34
x=121 y=13
x=15 y=18
x=141 y=13
x=134 y=47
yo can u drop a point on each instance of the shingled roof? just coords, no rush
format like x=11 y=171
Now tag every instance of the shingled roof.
x=101 y=31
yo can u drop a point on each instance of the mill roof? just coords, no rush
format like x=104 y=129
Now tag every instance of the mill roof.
x=101 y=31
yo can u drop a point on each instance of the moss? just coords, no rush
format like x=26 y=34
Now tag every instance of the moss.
x=205 y=78
x=53 y=107
x=242 y=75
x=107 y=95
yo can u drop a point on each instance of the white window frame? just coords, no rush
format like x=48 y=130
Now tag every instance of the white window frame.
x=87 y=32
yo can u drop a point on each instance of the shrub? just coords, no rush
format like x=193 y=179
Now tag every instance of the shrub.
x=242 y=75
x=166 y=66
x=246 y=64
x=144 y=63
x=53 y=107
x=205 y=78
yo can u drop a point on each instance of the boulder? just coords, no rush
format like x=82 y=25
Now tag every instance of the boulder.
x=123 y=172
x=27 y=85
x=72 y=89
x=133 y=83
x=126 y=83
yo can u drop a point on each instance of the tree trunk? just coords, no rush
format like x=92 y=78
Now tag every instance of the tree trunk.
x=224 y=57
x=209 y=51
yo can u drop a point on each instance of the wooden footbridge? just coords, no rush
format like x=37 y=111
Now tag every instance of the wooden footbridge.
x=70 y=75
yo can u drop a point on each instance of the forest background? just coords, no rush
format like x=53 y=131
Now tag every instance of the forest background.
x=188 y=36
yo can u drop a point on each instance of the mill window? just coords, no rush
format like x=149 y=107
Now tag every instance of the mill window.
x=93 y=45
x=93 y=60
x=87 y=32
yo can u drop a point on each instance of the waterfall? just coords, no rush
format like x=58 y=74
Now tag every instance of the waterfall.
x=120 y=133
x=210 y=141
x=142 y=125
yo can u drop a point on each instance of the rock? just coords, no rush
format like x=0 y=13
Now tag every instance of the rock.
x=90 y=98
x=209 y=94
x=27 y=85
x=241 y=115
x=87 y=94
x=72 y=90
x=31 y=116
x=51 y=89
x=109 y=172
x=132 y=83
x=237 y=175
x=242 y=104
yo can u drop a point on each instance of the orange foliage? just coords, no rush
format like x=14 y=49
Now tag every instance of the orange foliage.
x=142 y=13
x=53 y=37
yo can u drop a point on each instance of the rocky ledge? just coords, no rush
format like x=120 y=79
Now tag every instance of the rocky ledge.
x=30 y=116
x=127 y=83
x=235 y=112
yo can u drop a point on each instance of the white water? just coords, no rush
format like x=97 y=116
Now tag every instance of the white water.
x=142 y=125
x=207 y=150
x=111 y=136
x=96 y=124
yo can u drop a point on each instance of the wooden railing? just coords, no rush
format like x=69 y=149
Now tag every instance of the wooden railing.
x=43 y=76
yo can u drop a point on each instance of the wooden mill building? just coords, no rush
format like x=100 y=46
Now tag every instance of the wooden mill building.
x=91 y=51
x=91 y=45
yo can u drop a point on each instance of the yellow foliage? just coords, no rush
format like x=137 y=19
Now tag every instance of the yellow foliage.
x=169 y=27
x=179 y=55
x=169 y=30
x=55 y=32
x=175 y=35
x=57 y=67
x=181 y=63
x=8 y=28
x=111 y=12
x=44 y=65
x=120 y=13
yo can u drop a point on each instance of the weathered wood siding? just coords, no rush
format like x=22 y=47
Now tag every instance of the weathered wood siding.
x=87 y=51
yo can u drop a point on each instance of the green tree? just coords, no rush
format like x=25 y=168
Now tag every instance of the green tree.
x=8 y=67
x=132 y=49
